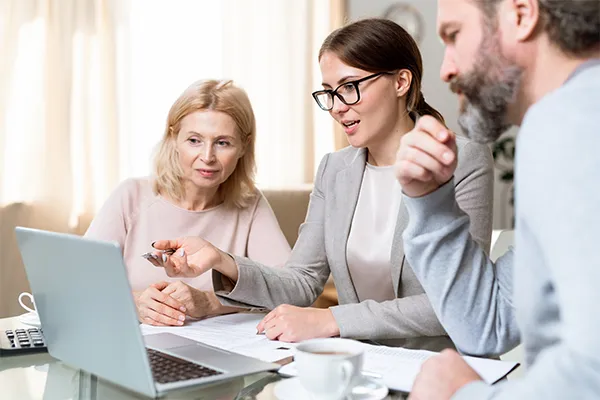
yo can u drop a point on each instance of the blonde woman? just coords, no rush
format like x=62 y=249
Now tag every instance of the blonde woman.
x=202 y=186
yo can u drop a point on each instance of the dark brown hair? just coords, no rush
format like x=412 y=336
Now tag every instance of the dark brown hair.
x=380 y=45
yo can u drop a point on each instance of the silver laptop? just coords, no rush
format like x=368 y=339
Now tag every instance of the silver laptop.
x=90 y=322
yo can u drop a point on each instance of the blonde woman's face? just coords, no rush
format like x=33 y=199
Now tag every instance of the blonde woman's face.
x=209 y=148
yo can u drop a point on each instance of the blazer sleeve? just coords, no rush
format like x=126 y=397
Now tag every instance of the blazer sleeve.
x=413 y=316
x=302 y=278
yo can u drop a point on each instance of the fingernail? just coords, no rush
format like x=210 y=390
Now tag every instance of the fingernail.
x=442 y=135
x=179 y=322
x=164 y=257
x=182 y=253
x=153 y=244
x=182 y=309
x=447 y=156
x=182 y=317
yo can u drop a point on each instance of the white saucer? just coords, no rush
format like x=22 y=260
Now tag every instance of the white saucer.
x=30 y=318
x=367 y=389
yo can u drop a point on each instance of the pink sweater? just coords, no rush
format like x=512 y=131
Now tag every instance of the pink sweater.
x=134 y=217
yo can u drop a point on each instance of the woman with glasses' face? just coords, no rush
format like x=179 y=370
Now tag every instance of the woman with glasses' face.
x=371 y=107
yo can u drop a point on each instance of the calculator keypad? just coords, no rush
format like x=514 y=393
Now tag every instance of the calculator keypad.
x=23 y=341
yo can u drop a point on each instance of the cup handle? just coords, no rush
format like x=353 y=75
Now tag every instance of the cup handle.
x=347 y=371
x=25 y=306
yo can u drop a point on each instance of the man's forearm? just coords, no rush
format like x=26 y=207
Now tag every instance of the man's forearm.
x=471 y=296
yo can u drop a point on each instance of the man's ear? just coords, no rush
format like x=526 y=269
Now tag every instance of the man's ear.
x=403 y=81
x=525 y=18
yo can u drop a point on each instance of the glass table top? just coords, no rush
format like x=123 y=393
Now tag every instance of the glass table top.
x=41 y=377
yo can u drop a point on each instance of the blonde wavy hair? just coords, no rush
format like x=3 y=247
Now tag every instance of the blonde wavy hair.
x=223 y=96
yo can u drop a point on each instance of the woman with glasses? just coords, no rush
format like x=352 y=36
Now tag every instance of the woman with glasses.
x=372 y=73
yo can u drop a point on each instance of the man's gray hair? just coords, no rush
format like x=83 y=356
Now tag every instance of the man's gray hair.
x=573 y=25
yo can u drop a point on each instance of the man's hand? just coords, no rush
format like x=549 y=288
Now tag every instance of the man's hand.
x=442 y=376
x=293 y=324
x=157 y=308
x=426 y=157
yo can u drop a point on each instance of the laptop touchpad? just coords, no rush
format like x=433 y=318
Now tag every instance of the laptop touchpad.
x=166 y=341
x=210 y=357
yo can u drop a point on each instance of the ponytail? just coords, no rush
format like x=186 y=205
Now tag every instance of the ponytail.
x=422 y=108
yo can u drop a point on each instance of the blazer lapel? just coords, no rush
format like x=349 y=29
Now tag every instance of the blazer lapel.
x=347 y=188
x=397 y=254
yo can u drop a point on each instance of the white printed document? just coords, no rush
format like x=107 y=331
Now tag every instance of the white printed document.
x=399 y=367
x=233 y=332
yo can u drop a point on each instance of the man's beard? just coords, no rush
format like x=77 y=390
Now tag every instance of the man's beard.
x=488 y=91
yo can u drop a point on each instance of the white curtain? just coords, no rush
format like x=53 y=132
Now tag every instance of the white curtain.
x=59 y=129
x=86 y=85
x=269 y=47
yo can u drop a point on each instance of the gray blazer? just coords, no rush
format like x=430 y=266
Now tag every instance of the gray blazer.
x=321 y=249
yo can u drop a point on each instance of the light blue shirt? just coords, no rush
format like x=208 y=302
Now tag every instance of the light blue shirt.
x=556 y=266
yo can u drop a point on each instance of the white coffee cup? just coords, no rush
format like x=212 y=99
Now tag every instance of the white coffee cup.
x=31 y=317
x=329 y=368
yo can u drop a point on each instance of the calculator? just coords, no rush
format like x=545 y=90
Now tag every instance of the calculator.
x=22 y=341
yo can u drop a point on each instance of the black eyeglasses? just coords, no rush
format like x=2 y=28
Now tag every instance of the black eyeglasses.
x=347 y=92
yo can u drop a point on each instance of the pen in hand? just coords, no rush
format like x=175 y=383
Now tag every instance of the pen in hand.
x=165 y=253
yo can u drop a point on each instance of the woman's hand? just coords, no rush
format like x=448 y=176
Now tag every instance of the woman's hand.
x=192 y=257
x=199 y=304
x=293 y=324
x=157 y=308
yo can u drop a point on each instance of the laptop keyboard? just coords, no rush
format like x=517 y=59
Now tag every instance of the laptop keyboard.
x=168 y=369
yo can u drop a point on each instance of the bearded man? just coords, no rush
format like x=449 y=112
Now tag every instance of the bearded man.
x=534 y=64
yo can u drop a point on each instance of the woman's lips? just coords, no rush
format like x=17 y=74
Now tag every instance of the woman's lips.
x=350 y=127
x=207 y=173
